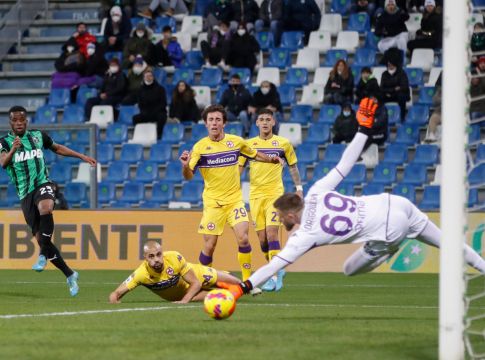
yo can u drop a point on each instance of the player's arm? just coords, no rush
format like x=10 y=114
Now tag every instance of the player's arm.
x=260 y=156
x=186 y=170
x=65 y=151
x=194 y=287
x=115 y=296
x=295 y=175
x=242 y=163
x=6 y=156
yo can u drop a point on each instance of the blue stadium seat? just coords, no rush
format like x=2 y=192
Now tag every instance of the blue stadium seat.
x=4 y=178
x=415 y=77
x=162 y=192
x=194 y=60
x=160 y=153
x=477 y=175
x=303 y=170
x=118 y=172
x=46 y=114
x=426 y=155
x=345 y=188
x=415 y=174
x=334 y=152
x=150 y=205
x=220 y=91
x=356 y=70
x=162 y=21
x=253 y=131
x=183 y=74
x=161 y=76
x=426 y=94
x=396 y=154
x=186 y=146
x=384 y=174
x=356 y=176
x=200 y=7
x=105 y=153
x=84 y=93
x=418 y=115
x=359 y=22
x=292 y=40
x=287 y=95
x=80 y=148
x=407 y=135
x=192 y=192
x=173 y=133
x=318 y=134
x=296 y=77
x=60 y=136
x=431 y=198
x=364 y=56
x=133 y=192
x=73 y=114
x=117 y=204
x=372 y=189
x=265 y=40
x=112 y=55
x=106 y=192
x=50 y=157
x=199 y=131
x=146 y=172
x=322 y=169
x=340 y=6
x=473 y=199
x=60 y=172
x=280 y=58
x=301 y=114
x=234 y=129
x=474 y=134
x=12 y=197
x=211 y=77
x=307 y=153
x=371 y=40
x=82 y=137
x=173 y=173
x=59 y=97
x=480 y=155
x=333 y=55
x=116 y=133
x=393 y=113
x=405 y=190
x=328 y=113
x=136 y=20
x=131 y=153
x=75 y=193
x=126 y=113
x=244 y=74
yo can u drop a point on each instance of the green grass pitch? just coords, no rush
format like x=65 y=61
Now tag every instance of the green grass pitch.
x=315 y=316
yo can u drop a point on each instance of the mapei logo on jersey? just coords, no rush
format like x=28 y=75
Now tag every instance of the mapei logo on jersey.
x=28 y=155
x=230 y=144
x=35 y=139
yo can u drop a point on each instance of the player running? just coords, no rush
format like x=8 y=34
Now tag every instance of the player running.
x=380 y=222
x=266 y=186
x=171 y=277
x=216 y=156
x=21 y=154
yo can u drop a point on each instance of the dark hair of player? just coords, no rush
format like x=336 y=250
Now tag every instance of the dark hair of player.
x=214 y=108
x=15 y=109
x=265 y=111
x=289 y=202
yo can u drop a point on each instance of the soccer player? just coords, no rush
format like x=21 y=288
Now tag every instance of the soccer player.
x=171 y=277
x=21 y=154
x=379 y=222
x=216 y=156
x=266 y=186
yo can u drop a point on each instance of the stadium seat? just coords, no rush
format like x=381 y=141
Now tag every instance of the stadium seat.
x=220 y=92
x=301 y=114
x=118 y=172
x=347 y=40
x=322 y=169
x=417 y=115
x=393 y=113
x=160 y=75
x=415 y=76
x=356 y=176
x=80 y=148
x=84 y=93
x=102 y=115
x=413 y=24
x=116 y=133
x=307 y=58
x=331 y=23
x=312 y=95
x=426 y=94
x=110 y=55
x=185 y=41
x=202 y=96
x=59 y=97
x=192 y=192
x=234 y=129
x=106 y=192
x=193 y=60
x=433 y=76
x=183 y=74
x=46 y=114
x=345 y=188
x=307 y=153
x=279 y=58
x=211 y=77
x=118 y=204
x=422 y=58
x=162 y=21
x=160 y=153
x=173 y=133
x=60 y=136
x=473 y=199
x=126 y=113
x=407 y=135
x=415 y=174
x=292 y=132
x=426 y=155
x=4 y=178
x=292 y=40
x=265 y=40
x=474 y=134
x=199 y=131
x=318 y=134
x=270 y=74
x=61 y=172
x=11 y=196
x=328 y=114
x=364 y=57
x=75 y=193
x=146 y=172
x=320 y=40
x=287 y=95
x=480 y=154
x=334 y=152
x=253 y=131
x=162 y=192
x=477 y=175
x=356 y=70
x=405 y=190
x=371 y=40
x=431 y=198
x=192 y=24
x=73 y=114
x=105 y=153
x=340 y=6
x=133 y=192
x=144 y=134
x=321 y=75
x=332 y=56
x=173 y=173
x=359 y=22
x=396 y=154
x=83 y=137
x=131 y=153
x=186 y=146
x=150 y=204
x=372 y=189
x=377 y=72
x=244 y=74
x=384 y=174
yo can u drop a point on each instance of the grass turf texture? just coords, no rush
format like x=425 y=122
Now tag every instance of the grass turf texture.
x=315 y=316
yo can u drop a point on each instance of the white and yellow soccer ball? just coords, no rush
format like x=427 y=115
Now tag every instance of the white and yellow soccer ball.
x=219 y=304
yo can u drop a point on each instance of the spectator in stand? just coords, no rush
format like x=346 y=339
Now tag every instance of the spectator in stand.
x=134 y=81
x=380 y=127
x=340 y=85
x=168 y=8
x=128 y=6
x=82 y=37
x=183 y=107
x=71 y=59
x=152 y=102
x=216 y=49
x=418 y=5
x=380 y=5
x=138 y=44
x=236 y=100
x=95 y=68
x=367 y=6
x=217 y=11
x=302 y=15
x=266 y=97
x=367 y=85
x=477 y=88
x=271 y=15
x=431 y=33
x=245 y=11
x=112 y=91
x=117 y=30
x=435 y=118
x=395 y=86
x=391 y=27
x=243 y=49
x=477 y=41
x=168 y=51
x=345 y=126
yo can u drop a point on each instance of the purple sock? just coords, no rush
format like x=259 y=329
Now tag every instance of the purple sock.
x=204 y=259
x=264 y=247
x=245 y=249
x=274 y=245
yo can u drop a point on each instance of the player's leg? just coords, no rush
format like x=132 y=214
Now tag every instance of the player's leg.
x=227 y=278
x=263 y=243
x=272 y=222
x=205 y=256
x=365 y=259
x=211 y=227
x=244 y=255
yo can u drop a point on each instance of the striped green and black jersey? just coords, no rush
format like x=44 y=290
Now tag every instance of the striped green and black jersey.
x=27 y=170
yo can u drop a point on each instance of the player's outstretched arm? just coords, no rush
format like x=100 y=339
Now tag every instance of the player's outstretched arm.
x=65 y=151
x=6 y=157
x=194 y=287
x=185 y=160
x=115 y=296
x=260 y=156
x=295 y=175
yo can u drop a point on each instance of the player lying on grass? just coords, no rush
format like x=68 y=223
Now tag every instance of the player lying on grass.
x=379 y=222
x=171 y=277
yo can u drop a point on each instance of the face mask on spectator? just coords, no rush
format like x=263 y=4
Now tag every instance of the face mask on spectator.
x=90 y=51
x=140 y=34
x=148 y=82
x=241 y=32
x=392 y=72
x=264 y=90
x=70 y=49
x=113 y=69
x=137 y=70
x=116 y=18
x=346 y=113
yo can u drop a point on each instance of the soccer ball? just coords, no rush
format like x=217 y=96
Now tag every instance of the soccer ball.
x=219 y=304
